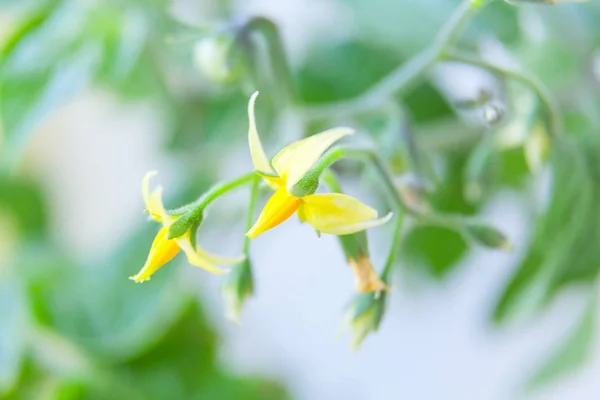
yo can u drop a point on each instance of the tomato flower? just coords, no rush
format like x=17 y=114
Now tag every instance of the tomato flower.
x=164 y=249
x=333 y=213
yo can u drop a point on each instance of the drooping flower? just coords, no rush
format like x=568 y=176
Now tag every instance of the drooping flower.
x=164 y=249
x=356 y=249
x=365 y=277
x=333 y=213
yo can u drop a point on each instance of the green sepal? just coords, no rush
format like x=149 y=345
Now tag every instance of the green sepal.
x=361 y=304
x=488 y=236
x=307 y=185
x=184 y=223
x=194 y=233
x=367 y=312
x=265 y=174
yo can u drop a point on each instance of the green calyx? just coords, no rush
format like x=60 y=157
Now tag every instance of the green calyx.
x=366 y=314
x=307 y=185
x=185 y=222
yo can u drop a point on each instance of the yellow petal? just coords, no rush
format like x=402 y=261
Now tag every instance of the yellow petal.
x=203 y=259
x=161 y=252
x=295 y=160
x=339 y=214
x=153 y=200
x=279 y=208
x=259 y=158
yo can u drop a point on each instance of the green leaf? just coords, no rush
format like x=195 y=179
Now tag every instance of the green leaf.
x=433 y=248
x=568 y=229
x=572 y=353
x=67 y=79
x=13 y=321
x=24 y=202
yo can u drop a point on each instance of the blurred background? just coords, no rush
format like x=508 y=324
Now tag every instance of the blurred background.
x=95 y=93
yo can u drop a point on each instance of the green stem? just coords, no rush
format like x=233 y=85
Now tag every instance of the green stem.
x=251 y=206
x=405 y=76
x=213 y=193
x=32 y=21
x=554 y=120
x=387 y=268
x=221 y=188
x=276 y=54
x=332 y=182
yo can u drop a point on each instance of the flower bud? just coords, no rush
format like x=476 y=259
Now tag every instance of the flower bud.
x=492 y=114
x=239 y=284
x=364 y=316
x=216 y=58
x=488 y=236
x=366 y=279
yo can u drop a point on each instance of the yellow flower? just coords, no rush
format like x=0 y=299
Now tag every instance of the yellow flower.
x=164 y=249
x=333 y=213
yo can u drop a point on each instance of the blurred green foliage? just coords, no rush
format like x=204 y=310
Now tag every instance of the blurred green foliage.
x=61 y=337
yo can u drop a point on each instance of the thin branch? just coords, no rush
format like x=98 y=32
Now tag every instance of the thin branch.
x=405 y=76
x=553 y=114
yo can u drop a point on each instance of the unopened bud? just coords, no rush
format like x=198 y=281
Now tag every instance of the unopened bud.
x=364 y=316
x=216 y=58
x=488 y=236
x=492 y=114
x=238 y=286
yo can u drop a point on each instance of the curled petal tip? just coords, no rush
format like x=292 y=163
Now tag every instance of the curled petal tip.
x=137 y=279
x=347 y=130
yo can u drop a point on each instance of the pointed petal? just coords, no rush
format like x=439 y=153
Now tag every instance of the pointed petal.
x=273 y=181
x=280 y=207
x=295 y=160
x=153 y=200
x=161 y=252
x=361 y=226
x=259 y=158
x=339 y=214
x=199 y=257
